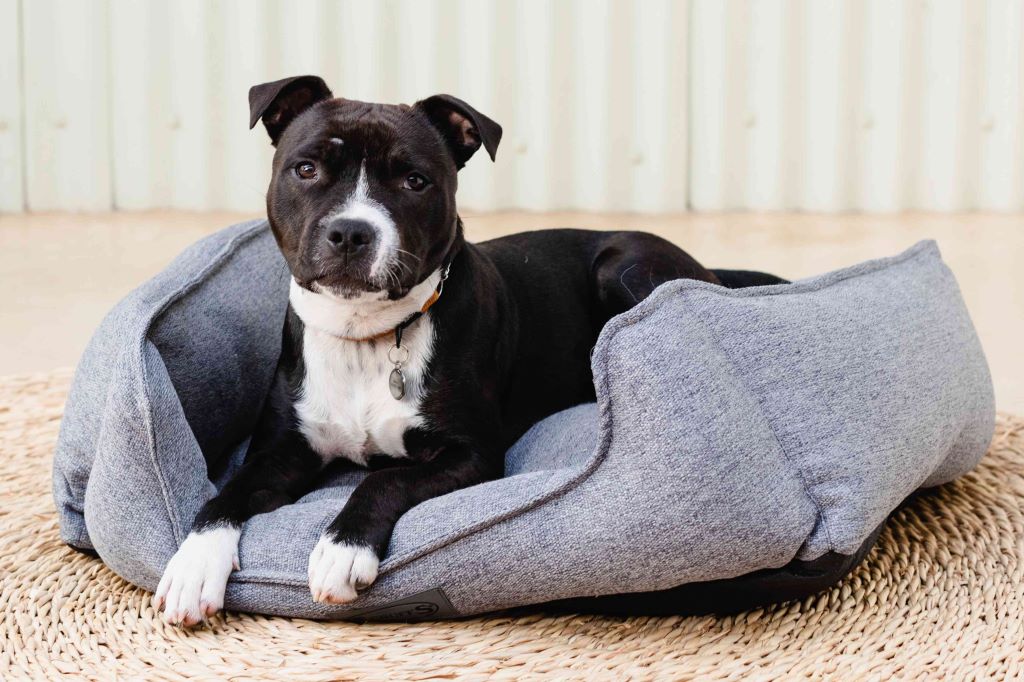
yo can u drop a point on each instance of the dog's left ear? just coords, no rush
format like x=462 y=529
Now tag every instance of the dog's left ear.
x=279 y=102
x=463 y=127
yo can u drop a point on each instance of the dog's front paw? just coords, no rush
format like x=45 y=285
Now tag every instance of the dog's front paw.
x=336 y=570
x=192 y=587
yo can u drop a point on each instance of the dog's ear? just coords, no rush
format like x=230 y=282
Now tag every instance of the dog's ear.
x=279 y=102
x=463 y=127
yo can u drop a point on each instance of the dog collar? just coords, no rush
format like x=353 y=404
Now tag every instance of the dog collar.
x=396 y=354
x=396 y=380
x=404 y=324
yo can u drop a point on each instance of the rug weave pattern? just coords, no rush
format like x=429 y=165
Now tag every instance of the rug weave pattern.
x=940 y=596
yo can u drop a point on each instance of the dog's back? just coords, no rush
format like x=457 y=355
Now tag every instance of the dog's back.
x=563 y=285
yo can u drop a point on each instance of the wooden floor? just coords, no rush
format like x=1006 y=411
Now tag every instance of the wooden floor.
x=61 y=272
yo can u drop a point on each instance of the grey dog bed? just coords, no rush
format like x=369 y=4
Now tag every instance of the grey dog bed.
x=745 y=445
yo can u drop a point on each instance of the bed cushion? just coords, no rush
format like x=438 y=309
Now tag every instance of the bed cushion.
x=736 y=433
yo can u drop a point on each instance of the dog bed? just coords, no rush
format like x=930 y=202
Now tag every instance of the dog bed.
x=745 y=445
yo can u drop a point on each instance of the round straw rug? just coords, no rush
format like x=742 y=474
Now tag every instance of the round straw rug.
x=941 y=596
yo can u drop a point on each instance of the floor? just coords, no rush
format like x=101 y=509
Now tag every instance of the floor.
x=62 y=272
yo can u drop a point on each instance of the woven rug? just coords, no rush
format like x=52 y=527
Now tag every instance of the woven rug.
x=941 y=596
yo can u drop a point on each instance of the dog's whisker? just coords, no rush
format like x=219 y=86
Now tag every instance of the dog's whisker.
x=408 y=253
x=622 y=281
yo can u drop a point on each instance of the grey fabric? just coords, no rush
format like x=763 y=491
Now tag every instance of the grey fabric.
x=734 y=430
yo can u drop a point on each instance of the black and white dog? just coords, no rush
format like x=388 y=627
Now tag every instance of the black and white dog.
x=404 y=344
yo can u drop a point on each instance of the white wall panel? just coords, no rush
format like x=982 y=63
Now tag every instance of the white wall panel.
x=898 y=105
x=941 y=82
x=474 y=23
x=12 y=187
x=1002 y=139
x=650 y=105
x=766 y=100
x=529 y=140
x=824 y=97
x=361 y=35
x=659 y=134
x=708 y=105
x=67 y=99
x=141 y=118
x=591 y=39
x=882 y=169
x=615 y=145
x=241 y=169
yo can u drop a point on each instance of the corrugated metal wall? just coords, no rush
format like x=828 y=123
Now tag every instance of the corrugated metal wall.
x=876 y=105
x=653 y=105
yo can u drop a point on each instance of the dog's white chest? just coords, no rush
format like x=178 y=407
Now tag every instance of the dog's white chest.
x=345 y=408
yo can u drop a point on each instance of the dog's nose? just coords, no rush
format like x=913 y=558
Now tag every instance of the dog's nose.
x=349 y=236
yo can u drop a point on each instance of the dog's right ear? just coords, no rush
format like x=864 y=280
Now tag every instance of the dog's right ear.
x=279 y=102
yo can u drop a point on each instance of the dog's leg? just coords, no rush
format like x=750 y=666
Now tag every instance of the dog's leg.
x=350 y=549
x=193 y=583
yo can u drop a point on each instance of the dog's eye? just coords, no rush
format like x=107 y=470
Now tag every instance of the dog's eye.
x=306 y=170
x=415 y=182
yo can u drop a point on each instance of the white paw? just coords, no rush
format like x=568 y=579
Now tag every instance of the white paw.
x=337 y=570
x=192 y=587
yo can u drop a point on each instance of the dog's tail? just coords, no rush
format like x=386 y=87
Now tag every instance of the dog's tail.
x=738 y=279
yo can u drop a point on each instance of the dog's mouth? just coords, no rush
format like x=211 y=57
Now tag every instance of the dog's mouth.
x=348 y=285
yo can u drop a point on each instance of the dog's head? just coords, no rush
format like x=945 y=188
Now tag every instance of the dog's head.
x=362 y=196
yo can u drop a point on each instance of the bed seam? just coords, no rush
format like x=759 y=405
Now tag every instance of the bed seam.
x=147 y=406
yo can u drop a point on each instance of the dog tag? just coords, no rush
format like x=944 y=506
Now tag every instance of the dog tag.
x=396 y=382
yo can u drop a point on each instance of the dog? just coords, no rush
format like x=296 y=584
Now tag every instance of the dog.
x=406 y=348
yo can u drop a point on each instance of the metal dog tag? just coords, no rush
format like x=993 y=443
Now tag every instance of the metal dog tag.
x=396 y=382
x=397 y=356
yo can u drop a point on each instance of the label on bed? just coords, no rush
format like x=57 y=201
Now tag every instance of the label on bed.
x=429 y=605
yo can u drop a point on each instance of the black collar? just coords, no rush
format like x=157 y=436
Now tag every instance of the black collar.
x=404 y=324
